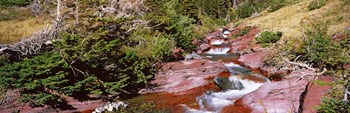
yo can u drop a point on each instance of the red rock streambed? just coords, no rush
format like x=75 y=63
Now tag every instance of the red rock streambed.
x=191 y=86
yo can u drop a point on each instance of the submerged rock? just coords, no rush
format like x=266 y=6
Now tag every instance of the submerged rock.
x=227 y=84
x=191 y=56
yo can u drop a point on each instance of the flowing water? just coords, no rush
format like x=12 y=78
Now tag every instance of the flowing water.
x=223 y=91
x=217 y=41
x=241 y=81
x=233 y=88
x=218 y=51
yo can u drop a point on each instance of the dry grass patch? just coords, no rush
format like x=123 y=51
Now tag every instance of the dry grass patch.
x=292 y=20
x=14 y=30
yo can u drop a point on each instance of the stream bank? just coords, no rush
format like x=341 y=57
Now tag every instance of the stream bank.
x=230 y=77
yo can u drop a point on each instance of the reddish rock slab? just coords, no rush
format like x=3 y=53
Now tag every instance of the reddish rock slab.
x=215 y=34
x=315 y=93
x=177 y=53
x=177 y=77
x=253 y=60
x=241 y=43
x=277 y=97
x=238 y=107
x=14 y=105
x=204 y=47
x=173 y=102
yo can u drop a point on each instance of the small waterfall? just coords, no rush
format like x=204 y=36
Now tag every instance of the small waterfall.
x=236 y=69
x=233 y=87
x=217 y=41
x=218 y=51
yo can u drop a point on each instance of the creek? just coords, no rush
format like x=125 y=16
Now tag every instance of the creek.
x=227 y=88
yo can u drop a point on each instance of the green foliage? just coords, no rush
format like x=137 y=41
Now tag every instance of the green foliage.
x=99 y=52
x=246 y=10
x=92 y=61
x=242 y=32
x=176 y=27
x=42 y=98
x=276 y=6
x=333 y=105
x=316 y=4
x=155 y=45
x=322 y=51
x=214 y=8
x=269 y=37
x=35 y=77
x=256 y=6
x=15 y=2
x=139 y=105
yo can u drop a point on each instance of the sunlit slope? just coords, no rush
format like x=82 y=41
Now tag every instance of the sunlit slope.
x=14 y=30
x=292 y=20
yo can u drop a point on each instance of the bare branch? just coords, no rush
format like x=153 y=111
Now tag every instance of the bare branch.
x=300 y=64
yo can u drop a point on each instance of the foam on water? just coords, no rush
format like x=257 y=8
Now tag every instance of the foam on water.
x=218 y=51
x=226 y=32
x=231 y=64
x=213 y=102
x=217 y=41
x=235 y=68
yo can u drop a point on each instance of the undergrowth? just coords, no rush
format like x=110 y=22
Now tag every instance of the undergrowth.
x=316 y=4
x=267 y=37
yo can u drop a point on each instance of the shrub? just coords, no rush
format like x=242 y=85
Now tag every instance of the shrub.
x=256 y=6
x=246 y=10
x=15 y=2
x=33 y=75
x=90 y=61
x=276 y=6
x=180 y=26
x=139 y=105
x=316 y=4
x=333 y=105
x=322 y=51
x=244 y=31
x=269 y=37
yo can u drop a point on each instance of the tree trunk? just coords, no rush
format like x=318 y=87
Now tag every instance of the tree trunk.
x=76 y=15
x=58 y=13
x=234 y=4
x=346 y=89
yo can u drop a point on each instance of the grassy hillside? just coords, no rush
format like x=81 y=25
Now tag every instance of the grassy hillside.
x=319 y=37
x=292 y=20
